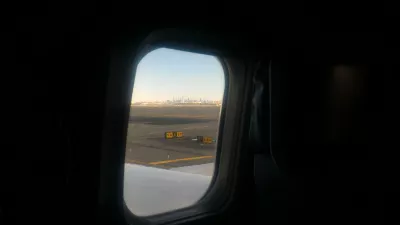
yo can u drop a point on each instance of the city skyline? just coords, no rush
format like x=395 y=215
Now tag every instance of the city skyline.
x=185 y=98
x=166 y=73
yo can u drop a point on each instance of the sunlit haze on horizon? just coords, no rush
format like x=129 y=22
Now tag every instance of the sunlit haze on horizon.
x=165 y=74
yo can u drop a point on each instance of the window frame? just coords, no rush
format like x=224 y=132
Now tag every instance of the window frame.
x=231 y=139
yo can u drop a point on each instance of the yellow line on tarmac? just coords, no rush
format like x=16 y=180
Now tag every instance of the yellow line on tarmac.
x=141 y=163
x=134 y=161
x=182 y=159
x=178 y=116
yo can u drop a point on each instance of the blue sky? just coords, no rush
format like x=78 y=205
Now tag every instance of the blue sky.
x=166 y=73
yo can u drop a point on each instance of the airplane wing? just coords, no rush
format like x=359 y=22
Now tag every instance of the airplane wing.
x=149 y=190
x=203 y=169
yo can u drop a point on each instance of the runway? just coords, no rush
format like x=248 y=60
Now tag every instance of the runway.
x=146 y=144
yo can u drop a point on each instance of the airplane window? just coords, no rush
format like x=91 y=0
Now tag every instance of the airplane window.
x=172 y=130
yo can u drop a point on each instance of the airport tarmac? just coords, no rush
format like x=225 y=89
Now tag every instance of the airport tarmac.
x=146 y=144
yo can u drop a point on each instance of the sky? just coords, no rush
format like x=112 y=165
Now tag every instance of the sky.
x=164 y=73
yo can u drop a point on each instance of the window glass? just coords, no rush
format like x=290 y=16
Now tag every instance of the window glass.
x=172 y=131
